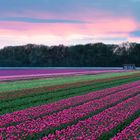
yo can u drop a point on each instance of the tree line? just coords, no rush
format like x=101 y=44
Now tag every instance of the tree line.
x=89 y=55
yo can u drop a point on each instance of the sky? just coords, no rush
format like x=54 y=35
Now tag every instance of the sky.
x=68 y=22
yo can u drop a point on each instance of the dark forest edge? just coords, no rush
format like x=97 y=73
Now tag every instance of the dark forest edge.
x=89 y=55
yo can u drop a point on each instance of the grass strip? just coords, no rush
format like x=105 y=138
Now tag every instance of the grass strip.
x=4 y=96
x=39 y=100
x=56 y=81
x=52 y=94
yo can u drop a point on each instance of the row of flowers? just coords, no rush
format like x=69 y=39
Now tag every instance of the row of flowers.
x=8 y=106
x=44 y=89
x=23 y=75
x=130 y=132
x=34 y=112
x=94 y=127
x=68 y=116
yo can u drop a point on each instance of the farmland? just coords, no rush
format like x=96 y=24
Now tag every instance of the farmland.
x=69 y=104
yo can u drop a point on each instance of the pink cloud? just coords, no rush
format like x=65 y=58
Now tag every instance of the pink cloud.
x=99 y=25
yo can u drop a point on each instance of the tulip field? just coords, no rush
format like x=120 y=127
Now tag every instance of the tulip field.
x=69 y=104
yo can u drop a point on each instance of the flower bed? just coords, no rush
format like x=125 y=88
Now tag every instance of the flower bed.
x=130 y=132
x=34 y=112
x=71 y=115
x=94 y=127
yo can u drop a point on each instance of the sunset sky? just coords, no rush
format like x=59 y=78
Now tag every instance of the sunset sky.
x=53 y=22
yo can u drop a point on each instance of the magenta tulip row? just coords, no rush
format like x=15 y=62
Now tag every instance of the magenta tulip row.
x=94 y=127
x=34 y=112
x=41 y=74
x=66 y=116
x=33 y=76
x=130 y=132
x=10 y=72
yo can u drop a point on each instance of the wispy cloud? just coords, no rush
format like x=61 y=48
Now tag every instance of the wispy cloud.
x=39 y=20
